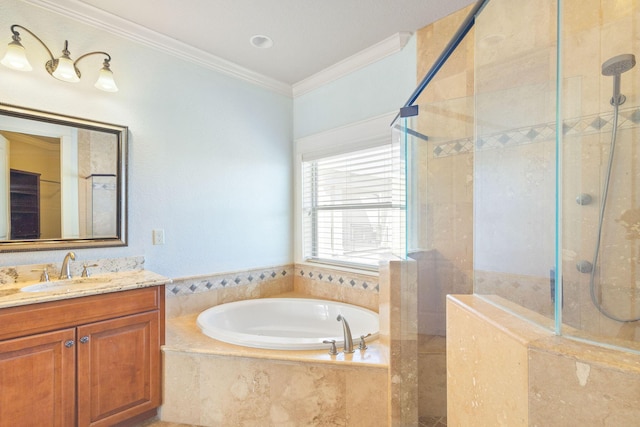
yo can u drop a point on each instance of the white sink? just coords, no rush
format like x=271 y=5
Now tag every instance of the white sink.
x=60 y=285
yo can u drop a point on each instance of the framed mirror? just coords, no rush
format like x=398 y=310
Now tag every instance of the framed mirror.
x=63 y=181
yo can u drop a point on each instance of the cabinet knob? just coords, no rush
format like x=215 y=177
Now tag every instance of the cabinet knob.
x=84 y=339
x=68 y=343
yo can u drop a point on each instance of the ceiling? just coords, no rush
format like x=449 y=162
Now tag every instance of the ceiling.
x=308 y=35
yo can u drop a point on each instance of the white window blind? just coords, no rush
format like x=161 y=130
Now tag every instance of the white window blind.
x=353 y=206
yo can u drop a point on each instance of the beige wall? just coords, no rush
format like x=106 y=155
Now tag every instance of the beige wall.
x=508 y=371
x=28 y=153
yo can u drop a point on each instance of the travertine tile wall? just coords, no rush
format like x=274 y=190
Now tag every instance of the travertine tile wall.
x=443 y=202
x=338 y=285
x=514 y=172
x=515 y=157
x=195 y=294
x=593 y=32
x=315 y=280
x=441 y=241
x=247 y=389
x=399 y=330
x=515 y=66
x=223 y=390
x=509 y=371
x=486 y=366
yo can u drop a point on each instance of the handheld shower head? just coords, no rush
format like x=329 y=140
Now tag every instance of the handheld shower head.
x=614 y=67
x=618 y=64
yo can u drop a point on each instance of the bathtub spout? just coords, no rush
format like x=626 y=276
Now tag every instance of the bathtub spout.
x=348 y=341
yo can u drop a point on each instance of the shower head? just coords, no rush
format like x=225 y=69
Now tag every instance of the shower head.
x=618 y=64
x=614 y=67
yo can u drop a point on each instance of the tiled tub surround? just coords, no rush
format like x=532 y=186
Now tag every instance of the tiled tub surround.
x=211 y=383
x=524 y=375
x=338 y=285
x=317 y=281
x=194 y=294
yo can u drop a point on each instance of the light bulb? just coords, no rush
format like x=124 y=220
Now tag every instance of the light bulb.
x=65 y=70
x=16 y=57
x=105 y=80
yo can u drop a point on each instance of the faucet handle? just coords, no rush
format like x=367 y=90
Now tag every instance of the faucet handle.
x=85 y=266
x=363 y=344
x=44 y=277
x=333 y=350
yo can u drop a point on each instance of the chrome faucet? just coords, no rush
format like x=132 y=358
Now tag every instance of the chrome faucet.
x=346 y=330
x=65 y=272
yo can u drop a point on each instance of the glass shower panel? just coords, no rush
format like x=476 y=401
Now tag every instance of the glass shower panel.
x=440 y=188
x=439 y=153
x=515 y=157
x=601 y=171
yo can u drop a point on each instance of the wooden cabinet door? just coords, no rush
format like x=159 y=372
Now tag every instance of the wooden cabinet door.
x=37 y=380
x=118 y=369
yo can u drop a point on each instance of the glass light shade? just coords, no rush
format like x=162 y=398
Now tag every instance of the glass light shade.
x=105 y=81
x=16 y=57
x=65 y=70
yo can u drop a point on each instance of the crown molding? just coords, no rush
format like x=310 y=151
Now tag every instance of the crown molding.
x=368 y=56
x=113 y=24
x=100 y=19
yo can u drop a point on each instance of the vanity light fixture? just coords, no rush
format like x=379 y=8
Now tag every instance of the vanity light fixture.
x=62 y=68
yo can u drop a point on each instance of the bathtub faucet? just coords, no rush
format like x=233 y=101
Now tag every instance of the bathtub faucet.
x=348 y=341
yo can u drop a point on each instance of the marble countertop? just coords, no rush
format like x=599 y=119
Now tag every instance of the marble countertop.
x=11 y=294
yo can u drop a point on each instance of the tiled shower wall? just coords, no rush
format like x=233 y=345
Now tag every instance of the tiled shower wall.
x=509 y=165
x=515 y=158
x=487 y=170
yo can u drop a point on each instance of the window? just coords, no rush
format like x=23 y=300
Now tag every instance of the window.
x=353 y=206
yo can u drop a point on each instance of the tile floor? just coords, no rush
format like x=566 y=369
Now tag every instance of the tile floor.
x=424 y=422
x=433 y=421
x=156 y=423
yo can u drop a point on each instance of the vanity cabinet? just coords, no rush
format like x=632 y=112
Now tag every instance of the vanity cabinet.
x=90 y=361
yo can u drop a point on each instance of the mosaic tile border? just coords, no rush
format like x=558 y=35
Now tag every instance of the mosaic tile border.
x=595 y=123
x=194 y=285
x=339 y=277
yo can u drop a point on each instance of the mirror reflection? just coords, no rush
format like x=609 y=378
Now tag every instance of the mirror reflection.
x=61 y=181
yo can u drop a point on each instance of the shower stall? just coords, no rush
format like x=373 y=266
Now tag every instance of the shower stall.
x=523 y=169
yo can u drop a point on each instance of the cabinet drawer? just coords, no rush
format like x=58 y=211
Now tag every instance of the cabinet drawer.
x=36 y=318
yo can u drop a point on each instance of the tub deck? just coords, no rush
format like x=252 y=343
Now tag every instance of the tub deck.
x=182 y=335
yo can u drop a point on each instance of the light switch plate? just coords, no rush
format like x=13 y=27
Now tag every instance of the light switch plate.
x=158 y=237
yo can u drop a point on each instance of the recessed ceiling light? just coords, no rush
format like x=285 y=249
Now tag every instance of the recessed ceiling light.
x=261 y=41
